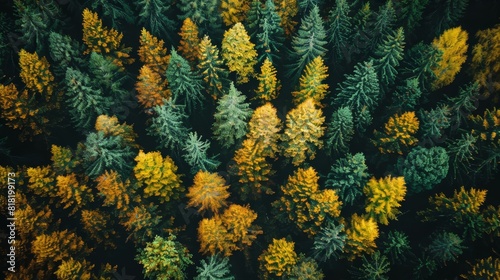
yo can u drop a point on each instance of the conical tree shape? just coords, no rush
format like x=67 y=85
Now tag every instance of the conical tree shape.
x=339 y=29
x=212 y=68
x=486 y=59
x=189 y=44
x=312 y=83
x=340 y=131
x=153 y=53
x=154 y=15
x=269 y=35
x=264 y=128
x=383 y=198
x=151 y=88
x=239 y=52
x=388 y=55
x=269 y=85
x=234 y=11
x=209 y=192
x=287 y=10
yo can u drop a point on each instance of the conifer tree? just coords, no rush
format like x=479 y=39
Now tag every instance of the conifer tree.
x=424 y=168
x=239 y=52
x=312 y=82
x=361 y=235
x=214 y=267
x=74 y=269
x=462 y=105
x=487 y=268
x=287 y=10
x=238 y=220
x=361 y=31
x=111 y=127
x=304 y=128
x=212 y=68
x=108 y=76
x=397 y=247
x=383 y=198
x=445 y=14
x=42 y=181
x=264 y=128
x=253 y=17
x=65 y=52
x=141 y=222
x=151 y=88
x=269 y=84
x=380 y=25
x=485 y=59
x=190 y=41
x=375 y=267
x=279 y=258
x=339 y=131
x=398 y=134
x=153 y=53
x=434 y=122
x=209 y=192
x=445 y=247
x=72 y=193
x=36 y=74
x=307 y=44
x=195 y=154
x=407 y=95
x=184 y=84
x=116 y=10
x=234 y=11
x=329 y=242
x=306 y=5
x=231 y=117
x=33 y=23
x=306 y=267
x=388 y=55
x=419 y=63
x=154 y=16
x=269 y=36
x=99 y=227
x=411 y=13
x=453 y=45
x=167 y=124
x=205 y=13
x=63 y=160
x=115 y=191
x=340 y=29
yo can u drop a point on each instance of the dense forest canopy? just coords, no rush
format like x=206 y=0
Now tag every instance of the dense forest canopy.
x=250 y=139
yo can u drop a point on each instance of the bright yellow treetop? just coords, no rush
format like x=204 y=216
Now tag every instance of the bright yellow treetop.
x=62 y=159
x=463 y=201
x=36 y=74
x=312 y=82
x=112 y=127
x=399 y=133
x=74 y=269
x=486 y=59
x=190 y=41
x=158 y=175
x=234 y=11
x=58 y=246
x=151 y=88
x=153 y=53
x=361 y=235
x=383 y=198
x=238 y=52
x=42 y=181
x=264 y=128
x=71 y=193
x=453 y=44
x=214 y=238
x=279 y=258
x=116 y=192
x=209 y=192
x=238 y=221
x=269 y=85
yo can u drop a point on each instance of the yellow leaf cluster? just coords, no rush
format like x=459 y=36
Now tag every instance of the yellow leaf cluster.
x=238 y=221
x=36 y=74
x=487 y=269
x=153 y=53
x=190 y=41
x=102 y=40
x=383 y=198
x=269 y=85
x=209 y=192
x=158 y=175
x=264 y=128
x=279 y=258
x=487 y=126
x=111 y=127
x=96 y=224
x=71 y=193
x=213 y=237
x=140 y=220
x=32 y=222
x=287 y=10
x=361 y=235
x=238 y=52
x=311 y=82
x=234 y=11
x=398 y=133
x=42 y=181
x=62 y=159
x=464 y=201
x=486 y=59
x=209 y=65
x=151 y=88
x=453 y=44
x=304 y=128
x=58 y=246
x=74 y=269
x=116 y=192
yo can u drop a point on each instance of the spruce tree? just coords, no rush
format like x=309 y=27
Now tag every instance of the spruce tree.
x=434 y=122
x=445 y=14
x=167 y=125
x=419 y=63
x=387 y=57
x=212 y=69
x=411 y=13
x=340 y=29
x=195 y=154
x=270 y=35
x=154 y=16
x=253 y=18
x=382 y=24
x=205 y=13
x=340 y=131
x=117 y=10
x=65 y=52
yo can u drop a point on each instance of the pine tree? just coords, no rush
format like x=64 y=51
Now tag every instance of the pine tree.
x=445 y=14
x=411 y=13
x=264 y=128
x=116 y=10
x=388 y=55
x=287 y=10
x=347 y=176
x=212 y=68
x=306 y=5
x=485 y=59
x=190 y=41
x=184 y=84
x=462 y=105
x=376 y=267
x=340 y=29
x=108 y=76
x=205 y=13
x=329 y=242
x=398 y=134
x=307 y=44
x=279 y=258
x=209 y=192
x=424 y=168
x=453 y=45
x=434 y=122
x=253 y=17
x=167 y=124
x=195 y=154
x=234 y=11
x=36 y=74
x=312 y=82
x=340 y=131
x=383 y=198
x=214 y=267
x=231 y=117
x=151 y=88
x=361 y=235
x=445 y=247
x=381 y=25
x=397 y=247
x=304 y=128
x=269 y=84
x=269 y=36
x=239 y=52
x=419 y=63
x=65 y=52
x=154 y=16
x=153 y=53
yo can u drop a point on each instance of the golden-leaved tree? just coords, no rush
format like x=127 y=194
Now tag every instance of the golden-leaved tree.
x=486 y=59
x=209 y=192
x=234 y=11
x=190 y=41
x=312 y=82
x=399 y=134
x=36 y=74
x=153 y=53
x=72 y=193
x=383 y=198
x=287 y=10
x=115 y=192
x=269 y=84
x=264 y=128
x=361 y=235
x=278 y=259
x=239 y=52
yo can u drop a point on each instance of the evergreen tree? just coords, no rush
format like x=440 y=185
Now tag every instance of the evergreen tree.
x=485 y=59
x=312 y=82
x=306 y=268
x=234 y=11
x=209 y=192
x=387 y=57
x=212 y=69
x=239 y=52
x=278 y=259
x=65 y=51
x=446 y=14
x=307 y=44
x=347 y=176
x=253 y=18
x=190 y=41
x=269 y=85
x=462 y=105
x=419 y=63
x=168 y=125
x=424 y=168
x=153 y=53
x=214 y=267
x=397 y=247
x=231 y=117
x=340 y=131
x=154 y=16
x=434 y=122
x=269 y=36
x=411 y=13
x=382 y=24
x=340 y=29
x=151 y=88
x=116 y=10
x=184 y=84
x=329 y=242
x=488 y=268
x=205 y=13
x=264 y=128
x=195 y=154
x=407 y=95
x=306 y=5
x=445 y=247
x=376 y=267
x=108 y=76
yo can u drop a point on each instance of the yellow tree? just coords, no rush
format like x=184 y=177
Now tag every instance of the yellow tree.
x=399 y=134
x=211 y=68
x=63 y=160
x=97 y=224
x=311 y=82
x=233 y=11
x=74 y=269
x=189 y=43
x=453 y=45
x=239 y=52
x=36 y=74
x=278 y=259
x=102 y=40
x=269 y=85
x=153 y=53
x=111 y=127
x=264 y=128
x=383 y=198
x=71 y=193
x=42 y=181
x=115 y=191
x=304 y=128
x=361 y=235
x=151 y=88
x=486 y=59
x=238 y=221
x=214 y=237
x=209 y=192
x=287 y=10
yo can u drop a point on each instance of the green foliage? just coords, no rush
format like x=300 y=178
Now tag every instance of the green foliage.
x=340 y=131
x=419 y=62
x=445 y=247
x=205 y=13
x=347 y=176
x=424 y=168
x=340 y=29
x=407 y=95
x=108 y=76
x=116 y=10
x=307 y=44
x=424 y=267
x=446 y=14
x=306 y=5
x=65 y=51
x=231 y=117
x=434 y=122
x=211 y=68
x=153 y=15
x=397 y=247
x=383 y=197
x=462 y=105
x=462 y=151
x=388 y=54
x=164 y=258
x=374 y=268
x=411 y=13
x=329 y=242
x=382 y=24
x=214 y=268
x=184 y=83
x=269 y=35
x=195 y=154
x=167 y=125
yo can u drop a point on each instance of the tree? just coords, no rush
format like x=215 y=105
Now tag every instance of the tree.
x=238 y=221
x=485 y=59
x=340 y=131
x=190 y=41
x=406 y=97
x=304 y=128
x=388 y=54
x=164 y=258
x=264 y=128
x=158 y=176
x=269 y=34
x=307 y=44
x=63 y=160
x=306 y=268
x=99 y=227
x=234 y=11
x=184 y=84
x=411 y=13
x=462 y=105
x=195 y=154
x=142 y=222
x=383 y=198
x=99 y=39
x=445 y=247
x=269 y=85
x=424 y=168
x=74 y=269
x=397 y=247
x=463 y=153
x=445 y=14
x=65 y=52
x=209 y=192
x=231 y=117
x=398 y=134
x=151 y=88
x=153 y=15
x=312 y=82
x=376 y=267
x=116 y=10
x=214 y=237
x=42 y=181
x=153 y=53
x=287 y=10
x=214 y=268
x=419 y=63
x=71 y=193
x=434 y=122
x=34 y=22
x=36 y=74
x=340 y=29
x=211 y=68
x=109 y=77
x=111 y=127
x=279 y=258
x=239 y=52
x=381 y=24
x=115 y=191
x=488 y=268
x=347 y=176
x=167 y=124
x=329 y=242
x=361 y=234
x=205 y=13
x=453 y=45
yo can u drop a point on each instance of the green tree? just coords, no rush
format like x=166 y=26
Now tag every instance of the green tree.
x=445 y=247
x=108 y=76
x=184 y=84
x=445 y=14
x=419 y=62
x=211 y=68
x=375 y=267
x=116 y=10
x=307 y=44
x=340 y=29
x=65 y=51
x=270 y=34
x=407 y=95
x=381 y=25
x=388 y=55
x=340 y=131
x=205 y=13
x=462 y=105
x=214 y=267
x=168 y=126
x=329 y=242
x=154 y=16
x=195 y=154
x=424 y=168
x=434 y=122
x=411 y=13
x=397 y=246
x=239 y=52
x=347 y=176
x=231 y=117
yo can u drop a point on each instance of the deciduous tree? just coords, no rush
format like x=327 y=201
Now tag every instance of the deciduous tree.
x=312 y=82
x=269 y=85
x=399 y=134
x=190 y=41
x=279 y=258
x=383 y=198
x=239 y=52
x=209 y=192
